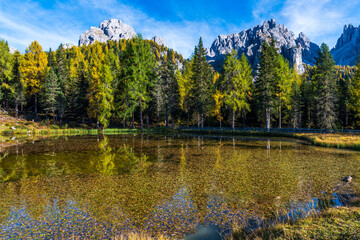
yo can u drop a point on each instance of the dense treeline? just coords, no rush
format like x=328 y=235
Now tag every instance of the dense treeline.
x=137 y=82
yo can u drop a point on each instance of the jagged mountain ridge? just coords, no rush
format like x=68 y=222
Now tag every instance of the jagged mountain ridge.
x=112 y=29
x=297 y=50
x=347 y=48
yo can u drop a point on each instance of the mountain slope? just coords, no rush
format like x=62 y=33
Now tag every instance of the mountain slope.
x=347 y=48
x=297 y=50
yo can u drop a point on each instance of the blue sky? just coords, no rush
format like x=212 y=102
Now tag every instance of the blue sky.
x=179 y=22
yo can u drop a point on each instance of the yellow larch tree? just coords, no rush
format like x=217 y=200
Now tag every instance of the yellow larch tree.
x=34 y=69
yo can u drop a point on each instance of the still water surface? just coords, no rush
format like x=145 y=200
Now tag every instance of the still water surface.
x=103 y=186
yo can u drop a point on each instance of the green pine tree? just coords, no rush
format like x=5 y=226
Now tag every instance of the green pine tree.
x=324 y=79
x=6 y=87
x=237 y=84
x=50 y=93
x=266 y=81
x=355 y=93
x=202 y=79
x=19 y=88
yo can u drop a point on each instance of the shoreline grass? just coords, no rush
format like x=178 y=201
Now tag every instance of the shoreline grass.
x=330 y=140
x=334 y=223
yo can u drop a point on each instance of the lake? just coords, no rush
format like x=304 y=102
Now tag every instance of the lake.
x=104 y=186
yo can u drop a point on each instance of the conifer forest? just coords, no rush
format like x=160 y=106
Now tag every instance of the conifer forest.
x=138 y=83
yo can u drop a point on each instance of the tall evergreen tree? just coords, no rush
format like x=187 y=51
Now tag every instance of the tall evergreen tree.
x=80 y=86
x=19 y=89
x=50 y=93
x=6 y=87
x=169 y=87
x=34 y=69
x=138 y=74
x=296 y=98
x=100 y=93
x=325 y=89
x=355 y=93
x=237 y=84
x=186 y=85
x=201 y=78
x=283 y=87
x=266 y=80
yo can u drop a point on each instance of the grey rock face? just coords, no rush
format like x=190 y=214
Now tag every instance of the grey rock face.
x=12 y=50
x=68 y=45
x=112 y=29
x=159 y=41
x=249 y=42
x=347 y=48
x=309 y=50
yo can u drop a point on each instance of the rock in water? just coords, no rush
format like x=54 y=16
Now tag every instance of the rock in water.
x=205 y=234
x=297 y=51
x=347 y=179
x=112 y=29
x=347 y=48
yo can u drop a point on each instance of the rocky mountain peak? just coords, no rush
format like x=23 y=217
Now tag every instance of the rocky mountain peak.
x=347 y=48
x=67 y=45
x=159 y=41
x=249 y=42
x=112 y=29
x=12 y=50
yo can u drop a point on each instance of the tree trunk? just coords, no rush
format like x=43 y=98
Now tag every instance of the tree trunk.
x=220 y=123
x=233 y=120
x=53 y=112
x=187 y=119
x=198 y=120
x=268 y=125
x=346 y=116
x=147 y=121
x=124 y=124
x=243 y=117
x=133 y=120
x=6 y=100
x=172 y=121
x=35 y=105
x=17 y=109
x=157 y=119
x=202 y=120
x=308 y=115
x=280 y=117
x=97 y=123
x=166 y=119
x=141 y=117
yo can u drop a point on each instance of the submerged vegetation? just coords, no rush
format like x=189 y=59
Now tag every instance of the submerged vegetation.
x=161 y=185
x=335 y=223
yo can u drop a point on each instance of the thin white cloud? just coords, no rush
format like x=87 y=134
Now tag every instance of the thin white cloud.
x=320 y=20
x=21 y=26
